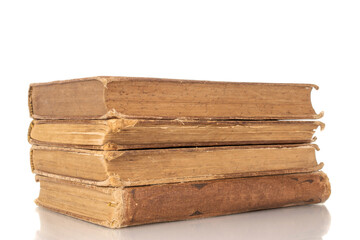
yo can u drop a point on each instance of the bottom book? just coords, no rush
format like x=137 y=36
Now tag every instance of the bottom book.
x=120 y=207
x=291 y=223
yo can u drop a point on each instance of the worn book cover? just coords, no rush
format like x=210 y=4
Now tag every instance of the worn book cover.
x=292 y=223
x=154 y=98
x=121 y=207
x=156 y=166
x=117 y=134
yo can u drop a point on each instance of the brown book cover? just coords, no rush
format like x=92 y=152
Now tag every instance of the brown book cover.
x=134 y=97
x=156 y=166
x=121 y=207
x=116 y=134
x=290 y=223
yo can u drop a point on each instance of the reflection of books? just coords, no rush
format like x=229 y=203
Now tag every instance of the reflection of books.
x=292 y=223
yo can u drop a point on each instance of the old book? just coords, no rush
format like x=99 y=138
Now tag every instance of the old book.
x=116 y=134
x=132 y=97
x=121 y=207
x=291 y=223
x=155 y=166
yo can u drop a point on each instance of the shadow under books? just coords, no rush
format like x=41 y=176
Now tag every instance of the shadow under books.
x=302 y=222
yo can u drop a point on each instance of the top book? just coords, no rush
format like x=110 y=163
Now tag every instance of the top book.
x=154 y=98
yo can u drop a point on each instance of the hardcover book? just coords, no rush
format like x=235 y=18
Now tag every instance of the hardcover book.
x=156 y=166
x=120 y=207
x=117 y=134
x=134 y=97
x=292 y=223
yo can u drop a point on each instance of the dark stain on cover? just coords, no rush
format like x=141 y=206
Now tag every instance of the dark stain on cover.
x=199 y=185
x=196 y=213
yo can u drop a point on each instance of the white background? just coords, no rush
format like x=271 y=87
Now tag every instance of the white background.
x=250 y=41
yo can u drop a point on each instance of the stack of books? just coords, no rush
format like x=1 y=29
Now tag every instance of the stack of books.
x=121 y=151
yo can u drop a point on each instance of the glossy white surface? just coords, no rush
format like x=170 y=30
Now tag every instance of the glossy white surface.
x=309 y=41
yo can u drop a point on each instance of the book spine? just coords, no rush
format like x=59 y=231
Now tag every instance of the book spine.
x=171 y=202
x=30 y=102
